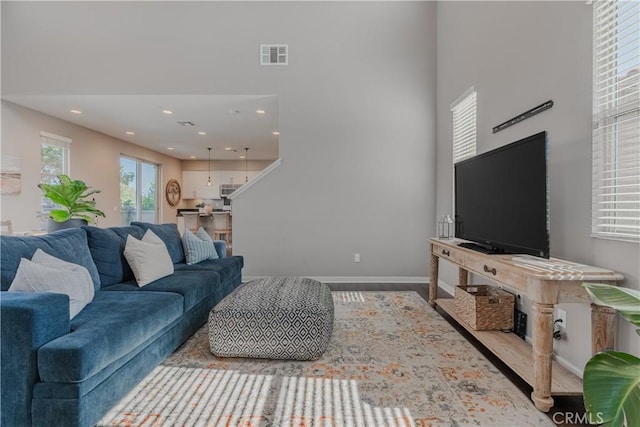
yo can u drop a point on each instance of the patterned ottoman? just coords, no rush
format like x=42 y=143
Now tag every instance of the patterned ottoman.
x=274 y=318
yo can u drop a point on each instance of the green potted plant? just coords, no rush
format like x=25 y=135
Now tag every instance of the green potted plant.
x=75 y=209
x=611 y=379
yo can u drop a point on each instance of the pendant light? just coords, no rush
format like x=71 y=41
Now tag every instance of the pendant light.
x=246 y=164
x=209 y=181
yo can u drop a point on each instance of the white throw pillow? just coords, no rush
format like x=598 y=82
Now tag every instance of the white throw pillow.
x=148 y=258
x=46 y=273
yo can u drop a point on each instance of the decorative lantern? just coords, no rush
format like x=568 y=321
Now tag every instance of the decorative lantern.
x=445 y=227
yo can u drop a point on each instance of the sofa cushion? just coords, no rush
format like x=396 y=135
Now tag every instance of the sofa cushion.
x=196 y=248
x=45 y=273
x=148 y=258
x=170 y=236
x=107 y=249
x=194 y=286
x=69 y=245
x=106 y=332
x=227 y=267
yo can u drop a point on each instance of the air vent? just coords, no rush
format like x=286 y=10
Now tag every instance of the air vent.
x=274 y=54
x=186 y=123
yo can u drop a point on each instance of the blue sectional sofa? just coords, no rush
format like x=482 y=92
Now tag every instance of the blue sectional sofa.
x=61 y=372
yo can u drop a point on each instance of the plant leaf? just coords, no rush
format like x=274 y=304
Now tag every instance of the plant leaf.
x=625 y=300
x=612 y=389
x=71 y=194
x=59 y=215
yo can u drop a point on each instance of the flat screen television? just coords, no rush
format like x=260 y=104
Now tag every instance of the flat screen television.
x=502 y=199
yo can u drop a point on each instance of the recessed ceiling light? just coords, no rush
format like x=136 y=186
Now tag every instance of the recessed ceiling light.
x=242 y=157
x=170 y=148
x=169 y=112
x=130 y=132
x=75 y=111
x=260 y=111
x=202 y=133
x=228 y=148
x=275 y=132
x=192 y=157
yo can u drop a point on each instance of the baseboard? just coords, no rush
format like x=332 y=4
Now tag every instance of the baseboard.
x=360 y=279
x=564 y=362
x=447 y=288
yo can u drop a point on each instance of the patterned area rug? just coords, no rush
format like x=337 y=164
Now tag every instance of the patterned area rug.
x=392 y=361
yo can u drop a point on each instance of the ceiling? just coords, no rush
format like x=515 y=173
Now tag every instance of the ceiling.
x=230 y=122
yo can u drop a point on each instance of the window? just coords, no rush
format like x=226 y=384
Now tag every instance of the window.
x=464 y=126
x=54 y=160
x=138 y=191
x=616 y=124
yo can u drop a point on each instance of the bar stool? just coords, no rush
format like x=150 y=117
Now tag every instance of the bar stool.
x=191 y=221
x=222 y=227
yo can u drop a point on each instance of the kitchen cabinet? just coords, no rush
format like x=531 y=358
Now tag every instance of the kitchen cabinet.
x=235 y=177
x=194 y=183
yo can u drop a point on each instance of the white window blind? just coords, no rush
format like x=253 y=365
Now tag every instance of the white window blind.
x=464 y=126
x=616 y=124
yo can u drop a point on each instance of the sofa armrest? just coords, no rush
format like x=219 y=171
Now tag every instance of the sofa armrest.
x=221 y=248
x=27 y=321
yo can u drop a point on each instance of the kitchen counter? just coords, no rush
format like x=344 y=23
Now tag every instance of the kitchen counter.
x=180 y=211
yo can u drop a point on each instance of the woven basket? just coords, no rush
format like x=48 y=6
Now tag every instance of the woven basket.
x=484 y=308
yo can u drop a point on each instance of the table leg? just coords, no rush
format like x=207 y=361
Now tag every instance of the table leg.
x=542 y=355
x=463 y=277
x=433 y=280
x=603 y=328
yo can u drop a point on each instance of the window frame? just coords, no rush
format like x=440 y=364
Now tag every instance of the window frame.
x=64 y=143
x=616 y=122
x=138 y=178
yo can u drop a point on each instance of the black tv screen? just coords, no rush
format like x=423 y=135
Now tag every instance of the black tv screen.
x=502 y=198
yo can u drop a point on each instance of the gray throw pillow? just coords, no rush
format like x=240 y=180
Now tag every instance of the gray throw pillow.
x=46 y=273
x=196 y=248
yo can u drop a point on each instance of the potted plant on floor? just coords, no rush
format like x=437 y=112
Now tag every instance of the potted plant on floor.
x=74 y=207
x=612 y=378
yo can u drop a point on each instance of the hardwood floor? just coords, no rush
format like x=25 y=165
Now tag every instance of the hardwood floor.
x=567 y=409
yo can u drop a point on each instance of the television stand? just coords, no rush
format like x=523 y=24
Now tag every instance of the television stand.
x=546 y=284
x=489 y=250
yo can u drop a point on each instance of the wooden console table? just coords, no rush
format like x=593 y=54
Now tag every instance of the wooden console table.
x=546 y=283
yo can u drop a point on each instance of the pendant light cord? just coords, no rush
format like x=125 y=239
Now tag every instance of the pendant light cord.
x=246 y=164
x=209 y=181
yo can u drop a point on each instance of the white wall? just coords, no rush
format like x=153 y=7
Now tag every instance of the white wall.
x=95 y=159
x=518 y=55
x=357 y=111
x=357 y=147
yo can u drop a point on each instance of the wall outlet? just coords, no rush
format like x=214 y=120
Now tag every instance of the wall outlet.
x=356 y=257
x=561 y=318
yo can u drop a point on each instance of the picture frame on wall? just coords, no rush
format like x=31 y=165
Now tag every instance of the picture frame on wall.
x=10 y=175
x=173 y=192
